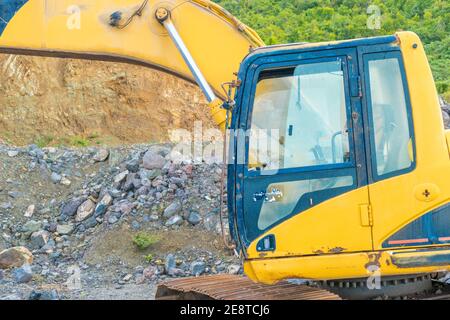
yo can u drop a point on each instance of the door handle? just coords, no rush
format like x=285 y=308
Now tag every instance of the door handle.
x=273 y=196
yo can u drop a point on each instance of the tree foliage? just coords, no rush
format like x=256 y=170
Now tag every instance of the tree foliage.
x=286 y=21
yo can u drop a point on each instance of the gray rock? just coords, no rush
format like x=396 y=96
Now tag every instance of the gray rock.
x=170 y=263
x=234 y=269
x=90 y=223
x=178 y=181
x=39 y=239
x=173 y=209
x=65 y=229
x=174 y=221
x=66 y=182
x=198 y=268
x=159 y=149
x=23 y=274
x=31 y=226
x=44 y=295
x=116 y=193
x=6 y=205
x=176 y=272
x=194 y=218
x=150 y=272
x=103 y=205
x=211 y=221
x=49 y=247
x=135 y=225
x=133 y=165
x=71 y=207
x=85 y=210
x=101 y=155
x=51 y=227
x=446 y=118
x=56 y=178
x=121 y=176
x=149 y=174
x=129 y=182
x=12 y=153
x=153 y=160
x=444 y=105
x=125 y=207
x=14 y=194
x=112 y=219
x=30 y=211
x=154 y=217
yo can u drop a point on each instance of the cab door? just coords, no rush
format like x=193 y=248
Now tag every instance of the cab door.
x=302 y=185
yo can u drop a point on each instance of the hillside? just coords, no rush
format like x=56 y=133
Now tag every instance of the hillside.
x=284 y=21
x=51 y=101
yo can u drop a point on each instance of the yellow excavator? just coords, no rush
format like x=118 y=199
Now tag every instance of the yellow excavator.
x=353 y=191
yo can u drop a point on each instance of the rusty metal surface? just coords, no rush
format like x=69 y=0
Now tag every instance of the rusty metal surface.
x=230 y=287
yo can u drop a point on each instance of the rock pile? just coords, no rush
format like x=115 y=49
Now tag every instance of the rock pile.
x=55 y=202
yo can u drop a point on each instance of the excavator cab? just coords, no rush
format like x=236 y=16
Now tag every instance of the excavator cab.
x=344 y=162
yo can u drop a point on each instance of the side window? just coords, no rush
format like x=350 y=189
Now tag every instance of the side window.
x=389 y=116
x=299 y=118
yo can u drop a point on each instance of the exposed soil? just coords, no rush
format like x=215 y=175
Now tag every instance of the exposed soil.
x=51 y=101
x=118 y=245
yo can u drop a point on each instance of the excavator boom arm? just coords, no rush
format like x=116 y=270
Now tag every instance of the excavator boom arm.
x=128 y=30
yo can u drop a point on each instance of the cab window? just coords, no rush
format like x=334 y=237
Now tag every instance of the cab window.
x=389 y=116
x=299 y=118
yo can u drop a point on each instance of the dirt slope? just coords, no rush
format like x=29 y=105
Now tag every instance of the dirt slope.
x=50 y=99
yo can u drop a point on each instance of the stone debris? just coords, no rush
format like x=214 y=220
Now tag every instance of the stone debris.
x=50 y=224
x=30 y=211
x=101 y=155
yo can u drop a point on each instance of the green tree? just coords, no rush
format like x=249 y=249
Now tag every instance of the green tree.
x=287 y=21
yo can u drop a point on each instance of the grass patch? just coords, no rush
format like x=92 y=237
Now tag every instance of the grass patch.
x=446 y=96
x=144 y=240
x=44 y=141
x=148 y=258
x=78 y=141
x=68 y=141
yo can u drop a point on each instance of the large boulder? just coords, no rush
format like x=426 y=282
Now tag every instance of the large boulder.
x=153 y=160
x=15 y=257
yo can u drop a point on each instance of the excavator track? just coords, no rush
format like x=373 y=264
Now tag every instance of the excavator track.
x=231 y=287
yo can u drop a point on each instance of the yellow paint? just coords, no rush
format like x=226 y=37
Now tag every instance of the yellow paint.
x=305 y=242
x=218 y=41
x=426 y=192
x=332 y=226
x=217 y=113
x=337 y=266
x=394 y=201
